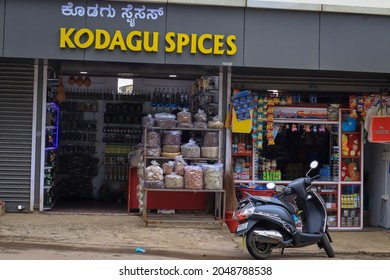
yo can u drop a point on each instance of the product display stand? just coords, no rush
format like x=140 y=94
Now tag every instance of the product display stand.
x=219 y=200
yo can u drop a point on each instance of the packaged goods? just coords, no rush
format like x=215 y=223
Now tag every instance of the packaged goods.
x=148 y=121
x=135 y=156
x=211 y=139
x=215 y=123
x=190 y=150
x=171 y=137
x=165 y=116
x=180 y=164
x=200 y=116
x=166 y=123
x=213 y=176
x=193 y=177
x=174 y=181
x=209 y=152
x=185 y=125
x=153 y=139
x=202 y=125
x=154 y=184
x=154 y=172
x=153 y=152
x=171 y=148
x=168 y=167
x=165 y=120
x=184 y=116
x=170 y=155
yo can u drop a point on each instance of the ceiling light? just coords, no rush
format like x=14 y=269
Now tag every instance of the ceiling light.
x=172 y=76
x=83 y=72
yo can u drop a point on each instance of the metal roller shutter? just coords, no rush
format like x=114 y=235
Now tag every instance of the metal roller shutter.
x=16 y=123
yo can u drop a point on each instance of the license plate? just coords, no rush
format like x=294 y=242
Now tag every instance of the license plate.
x=242 y=226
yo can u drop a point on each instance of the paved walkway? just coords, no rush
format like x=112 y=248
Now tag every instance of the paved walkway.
x=125 y=233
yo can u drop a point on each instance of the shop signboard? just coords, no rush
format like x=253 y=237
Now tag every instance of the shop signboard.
x=122 y=31
x=380 y=129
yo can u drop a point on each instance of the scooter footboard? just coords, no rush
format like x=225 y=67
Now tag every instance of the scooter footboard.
x=311 y=238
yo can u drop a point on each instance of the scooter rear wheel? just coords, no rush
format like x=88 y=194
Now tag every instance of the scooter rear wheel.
x=256 y=249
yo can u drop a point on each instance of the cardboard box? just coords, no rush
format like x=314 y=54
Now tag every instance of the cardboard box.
x=2 y=208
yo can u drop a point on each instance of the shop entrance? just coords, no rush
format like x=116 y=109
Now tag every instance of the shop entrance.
x=298 y=119
x=93 y=126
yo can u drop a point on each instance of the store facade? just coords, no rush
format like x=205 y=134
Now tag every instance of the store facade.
x=247 y=48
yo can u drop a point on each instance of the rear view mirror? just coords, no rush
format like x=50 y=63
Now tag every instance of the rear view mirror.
x=314 y=164
x=271 y=186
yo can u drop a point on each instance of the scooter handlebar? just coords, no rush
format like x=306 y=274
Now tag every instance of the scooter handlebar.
x=287 y=191
x=309 y=180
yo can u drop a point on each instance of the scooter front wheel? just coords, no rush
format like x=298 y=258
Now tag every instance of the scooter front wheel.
x=325 y=243
x=256 y=249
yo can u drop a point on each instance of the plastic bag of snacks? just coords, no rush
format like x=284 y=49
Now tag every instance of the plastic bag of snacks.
x=153 y=139
x=213 y=176
x=185 y=125
x=193 y=177
x=180 y=164
x=211 y=139
x=153 y=152
x=209 y=152
x=154 y=184
x=215 y=123
x=202 y=125
x=190 y=150
x=170 y=155
x=174 y=181
x=184 y=116
x=168 y=167
x=148 y=121
x=200 y=116
x=171 y=137
x=171 y=148
x=164 y=116
x=154 y=172
x=165 y=120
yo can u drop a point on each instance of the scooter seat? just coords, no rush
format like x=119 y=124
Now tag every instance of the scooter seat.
x=271 y=200
x=290 y=207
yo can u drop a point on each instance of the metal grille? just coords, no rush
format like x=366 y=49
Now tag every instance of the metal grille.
x=16 y=121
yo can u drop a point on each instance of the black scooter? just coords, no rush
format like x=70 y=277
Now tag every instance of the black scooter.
x=268 y=223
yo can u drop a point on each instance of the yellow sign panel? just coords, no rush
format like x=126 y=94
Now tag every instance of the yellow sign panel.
x=137 y=41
